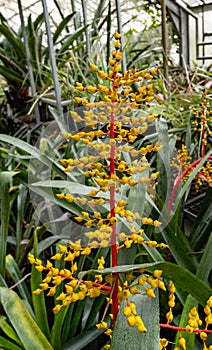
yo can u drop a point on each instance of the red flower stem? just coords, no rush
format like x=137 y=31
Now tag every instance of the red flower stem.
x=179 y=179
x=184 y=329
x=203 y=134
x=112 y=211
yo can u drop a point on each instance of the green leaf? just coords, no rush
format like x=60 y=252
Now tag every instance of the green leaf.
x=27 y=330
x=16 y=43
x=81 y=341
x=68 y=43
x=39 y=303
x=8 y=330
x=5 y=178
x=15 y=273
x=205 y=267
x=61 y=26
x=57 y=328
x=8 y=345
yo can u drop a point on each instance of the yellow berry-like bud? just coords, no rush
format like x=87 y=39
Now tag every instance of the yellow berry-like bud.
x=133 y=308
x=150 y=293
x=134 y=290
x=203 y=336
x=127 y=311
x=91 y=89
x=39 y=268
x=182 y=342
x=171 y=303
x=141 y=328
x=207 y=310
x=102 y=75
x=37 y=291
x=208 y=319
x=57 y=308
x=189 y=329
x=117 y=36
x=117 y=44
x=130 y=276
x=126 y=293
x=142 y=280
x=128 y=243
x=169 y=316
x=131 y=321
x=93 y=67
x=113 y=221
x=172 y=287
x=101 y=325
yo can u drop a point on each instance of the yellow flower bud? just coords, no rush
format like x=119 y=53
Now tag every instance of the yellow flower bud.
x=131 y=321
x=102 y=75
x=203 y=336
x=93 y=67
x=134 y=290
x=91 y=89
x=117 y=44
x=127 y=311
x=141 y=328
x=133 y=308
x=39 y=268
x=117 y=36
x=57 y=308
x=37 y=291
x=182 y=342
x=157 y=273
x=150 y=293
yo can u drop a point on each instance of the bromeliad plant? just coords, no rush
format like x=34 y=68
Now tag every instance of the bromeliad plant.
x=110 y=123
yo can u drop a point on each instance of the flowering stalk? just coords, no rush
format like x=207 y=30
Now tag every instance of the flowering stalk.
x=180 y=178
x=169 y=326
x=107 y=150
x=112 y=207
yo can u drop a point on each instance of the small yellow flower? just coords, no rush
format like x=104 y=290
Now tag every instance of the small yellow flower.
x=39 y=268
x=150 y=293
x=57 y=256
x=57 y=308
x=52 y=291
x=203 y=336
x=86 y=251
x=102 y=75
x=102 y=325
x=37 y=291
x=93 y=67
x=117 y=36
x=91 y=89
x=127 y=311
x=157 y=273
x=182 y=342
x=128 y=243
x=131 y=321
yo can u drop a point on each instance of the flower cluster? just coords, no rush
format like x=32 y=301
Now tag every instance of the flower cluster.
x=194 y=322
x=202 y=123
x=109 y=124
x=183 y=161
